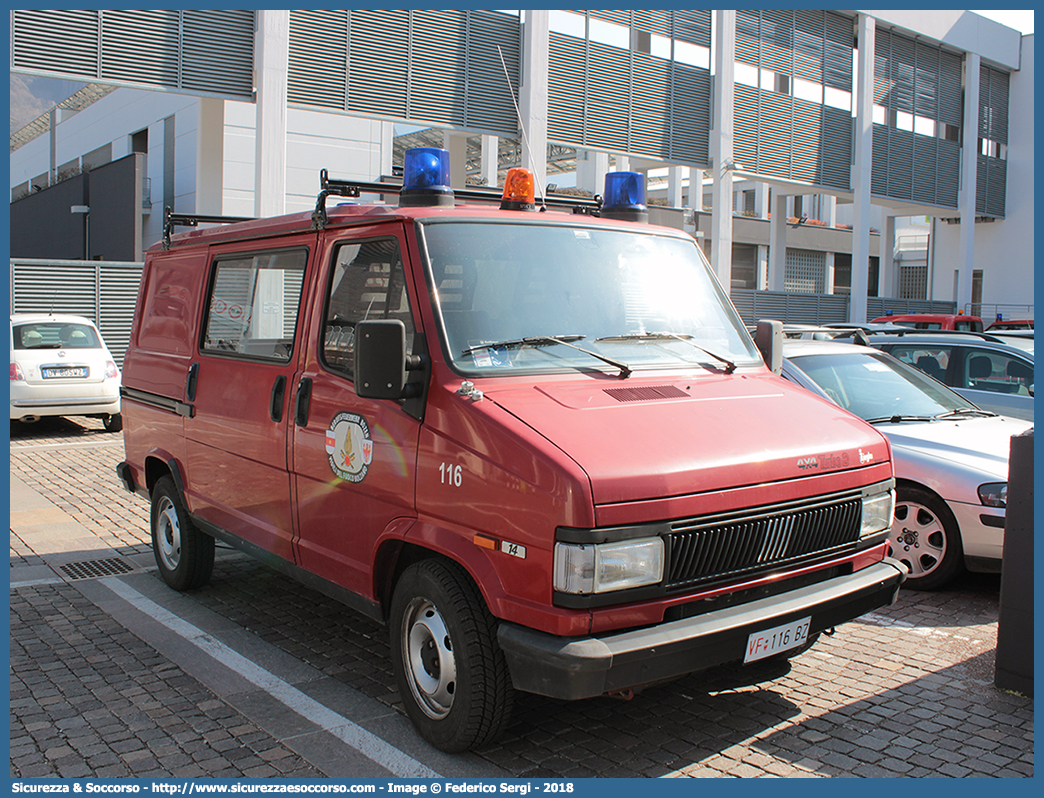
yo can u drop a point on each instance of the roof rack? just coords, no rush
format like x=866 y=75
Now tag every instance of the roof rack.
x=903 y=331
x=171 y=219
x=331 y=187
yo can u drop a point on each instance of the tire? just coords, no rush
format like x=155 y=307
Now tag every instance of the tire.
x=184 y=555
x=452 y=676
x=925 y=537
x=113 y=423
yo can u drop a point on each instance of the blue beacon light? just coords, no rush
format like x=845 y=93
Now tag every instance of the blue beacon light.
x=426 y=178
x=625 y=197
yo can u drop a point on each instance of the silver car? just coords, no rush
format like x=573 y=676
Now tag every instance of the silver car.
x=983 y=368
x=950 y=457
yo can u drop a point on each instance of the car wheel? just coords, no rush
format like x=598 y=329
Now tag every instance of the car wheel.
x=925 y=538
x=451 y=673
x=113 y=423
x=184 y=555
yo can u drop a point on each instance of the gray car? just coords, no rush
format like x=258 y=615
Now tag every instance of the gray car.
x=982 y=368
x=950 y=457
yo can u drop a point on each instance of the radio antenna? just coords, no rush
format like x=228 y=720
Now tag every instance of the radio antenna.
x=522 y=127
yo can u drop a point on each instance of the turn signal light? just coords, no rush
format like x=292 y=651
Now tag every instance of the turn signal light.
x=519 y=190
x=16 y=373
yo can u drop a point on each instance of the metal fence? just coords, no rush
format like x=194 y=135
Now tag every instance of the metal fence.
x=103 y=291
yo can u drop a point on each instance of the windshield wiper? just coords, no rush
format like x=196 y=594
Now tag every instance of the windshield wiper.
x=537 y=340
x=660 y=336
x=965 y=411
x=898 y=418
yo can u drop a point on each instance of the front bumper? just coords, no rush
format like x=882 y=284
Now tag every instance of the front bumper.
x=573 y=668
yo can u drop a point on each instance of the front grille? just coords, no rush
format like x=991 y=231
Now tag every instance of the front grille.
x=713 y=548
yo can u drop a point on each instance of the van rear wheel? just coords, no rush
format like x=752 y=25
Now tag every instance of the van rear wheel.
x=451 y=673
x=184 y=555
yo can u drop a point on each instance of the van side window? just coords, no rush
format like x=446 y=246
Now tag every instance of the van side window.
x=253 y=304
x=366 y=282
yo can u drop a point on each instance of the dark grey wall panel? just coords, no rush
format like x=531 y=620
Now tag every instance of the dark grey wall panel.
x=210 y=52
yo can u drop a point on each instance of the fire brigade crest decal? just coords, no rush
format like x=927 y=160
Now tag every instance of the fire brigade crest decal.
x=349 y=447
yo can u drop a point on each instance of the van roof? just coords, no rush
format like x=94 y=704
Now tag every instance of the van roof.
x=348 y=215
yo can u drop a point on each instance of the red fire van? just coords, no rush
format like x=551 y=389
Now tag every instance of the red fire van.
x=538 y=444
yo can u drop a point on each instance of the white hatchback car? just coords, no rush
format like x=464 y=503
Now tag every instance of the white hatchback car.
x=60 y=366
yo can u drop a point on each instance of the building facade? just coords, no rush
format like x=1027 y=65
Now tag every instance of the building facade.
x=833 y=151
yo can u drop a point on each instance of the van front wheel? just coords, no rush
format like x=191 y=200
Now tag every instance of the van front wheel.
x=184 y=555
x=451 y=674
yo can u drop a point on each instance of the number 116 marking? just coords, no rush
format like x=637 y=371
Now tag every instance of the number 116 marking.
x=450 y=474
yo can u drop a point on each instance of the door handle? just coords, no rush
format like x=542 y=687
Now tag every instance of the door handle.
x=302 y=401
x=275 y=408
x=190 y=382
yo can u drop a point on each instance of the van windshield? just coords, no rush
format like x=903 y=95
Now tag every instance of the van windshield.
x=543 y=297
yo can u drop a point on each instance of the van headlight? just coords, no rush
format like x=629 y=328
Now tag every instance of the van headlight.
x=603 y=567
x=878 y=509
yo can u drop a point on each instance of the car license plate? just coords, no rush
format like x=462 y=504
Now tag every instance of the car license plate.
x=779 y=638
x=68 y=371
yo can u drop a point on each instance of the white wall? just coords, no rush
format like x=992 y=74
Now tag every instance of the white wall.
x=1004 y=248
x=347 y=147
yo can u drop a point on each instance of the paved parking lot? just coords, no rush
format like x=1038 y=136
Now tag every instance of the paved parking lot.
x=114 y=675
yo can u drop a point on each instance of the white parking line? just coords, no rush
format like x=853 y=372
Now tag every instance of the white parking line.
x=927 y=631
x=370 y=745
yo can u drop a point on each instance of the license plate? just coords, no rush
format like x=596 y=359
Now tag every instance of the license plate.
x=48 y=374
x=779 y=638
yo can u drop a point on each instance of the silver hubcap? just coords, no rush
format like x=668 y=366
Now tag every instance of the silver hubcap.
x=168 y=534
x=431 y=668
x=918 y=538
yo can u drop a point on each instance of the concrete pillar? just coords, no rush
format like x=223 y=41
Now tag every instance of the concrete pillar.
x=777 y=261
x=271 y=59
x=969 y=177
x=762 y=266
x=623 y=164
x=674 y=186
x=456 y=144
x=210 y=156
x=864 y=141
x=829 y=205
x=761 y=200
x=53 y=134
x=694 y=199
x=829 y=273
x=722 y=117
x=387 y=150
x=591 y=167
x=490 y=168
x=887 y=281
x=533 y=93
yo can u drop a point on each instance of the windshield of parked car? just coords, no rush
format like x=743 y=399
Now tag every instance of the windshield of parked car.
x=55 y=335
x=877 y=387
x=545 y=297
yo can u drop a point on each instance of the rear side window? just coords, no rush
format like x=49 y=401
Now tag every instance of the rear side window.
x=366 y=282
x=253 y=303
x=55 y=335
x=932 y=360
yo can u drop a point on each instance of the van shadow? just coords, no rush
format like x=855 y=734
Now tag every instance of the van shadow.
x=730 y=711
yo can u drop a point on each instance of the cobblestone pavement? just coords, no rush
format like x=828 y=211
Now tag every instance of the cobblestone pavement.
x=904 y=691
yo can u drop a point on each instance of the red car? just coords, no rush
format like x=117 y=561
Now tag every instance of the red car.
x=540 y=446
x=1010 y=324
x=934 y=321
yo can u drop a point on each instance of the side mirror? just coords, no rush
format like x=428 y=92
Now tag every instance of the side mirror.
x=768 y=337
x=380 y=358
